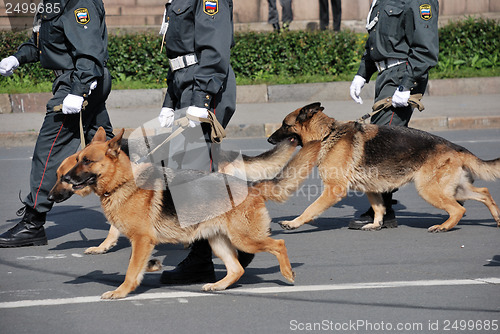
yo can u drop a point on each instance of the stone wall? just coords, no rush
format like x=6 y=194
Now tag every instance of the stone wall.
x=251 y=14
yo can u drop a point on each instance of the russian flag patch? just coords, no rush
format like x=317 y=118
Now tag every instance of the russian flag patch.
x=425 y=12
x=210 y=7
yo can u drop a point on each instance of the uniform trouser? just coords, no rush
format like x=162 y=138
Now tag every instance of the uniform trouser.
x=386 y=84
x=286 y=14
x=59 y=136
x=324 y=17
x=191 y=149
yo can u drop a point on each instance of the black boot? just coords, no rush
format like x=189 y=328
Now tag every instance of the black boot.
x=28 y=232
x=276 y=27
x=197 y=267
x=389 y=220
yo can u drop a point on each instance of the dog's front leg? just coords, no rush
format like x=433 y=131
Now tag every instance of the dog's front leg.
x=107 y=244
x=142 y=247
x=331 y=194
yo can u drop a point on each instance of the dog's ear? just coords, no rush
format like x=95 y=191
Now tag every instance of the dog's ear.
x=308 y=111
x=100 y=135
x=114 y=145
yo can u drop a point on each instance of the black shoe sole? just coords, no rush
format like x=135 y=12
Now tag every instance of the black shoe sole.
x=24 y=243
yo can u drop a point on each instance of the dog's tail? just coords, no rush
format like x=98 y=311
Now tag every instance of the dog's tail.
x=292 y=176
x=488 y=170
x=262 y=167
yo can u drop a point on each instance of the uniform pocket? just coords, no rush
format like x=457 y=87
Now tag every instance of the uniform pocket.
x=390 y=20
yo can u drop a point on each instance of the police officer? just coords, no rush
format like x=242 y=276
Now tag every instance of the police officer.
x=402 y=47
x=70 y=38
x=198 y=41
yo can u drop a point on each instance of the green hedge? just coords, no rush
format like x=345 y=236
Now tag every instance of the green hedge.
x=471 y=43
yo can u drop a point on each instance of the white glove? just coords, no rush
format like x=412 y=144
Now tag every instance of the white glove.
x=400 y=99
x=93 y=85
x=72 y=104
x=8 y=65
x=357 y=84
x=197 y=112
x=166 y=117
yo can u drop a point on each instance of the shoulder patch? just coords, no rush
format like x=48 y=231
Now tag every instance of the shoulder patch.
x=82 y=15
x=425 y=12
x=211 y=7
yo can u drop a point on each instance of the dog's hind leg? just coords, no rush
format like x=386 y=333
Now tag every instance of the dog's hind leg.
x=142 y=247
x=378 y=207
x=223 y=249
x=108 y=243
x=468 y=191
x=332 y=193
x=442 y=198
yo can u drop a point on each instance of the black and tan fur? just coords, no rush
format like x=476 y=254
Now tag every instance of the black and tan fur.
x=148 y=217
x=252 y=168
x=377 y=159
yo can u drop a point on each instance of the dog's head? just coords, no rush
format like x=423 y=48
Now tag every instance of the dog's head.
x=63 y=190
x=296 y=124
x=95 y=159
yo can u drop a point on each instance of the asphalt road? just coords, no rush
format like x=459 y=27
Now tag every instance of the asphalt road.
x=402 y=280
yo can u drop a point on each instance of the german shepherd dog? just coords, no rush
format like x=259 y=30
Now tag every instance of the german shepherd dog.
x=148 y=217
x=252 y=168
x=377 y=159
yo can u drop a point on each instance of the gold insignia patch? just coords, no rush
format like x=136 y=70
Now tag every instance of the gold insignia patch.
x=425 y=12
x=211 y=7
x=82 y=15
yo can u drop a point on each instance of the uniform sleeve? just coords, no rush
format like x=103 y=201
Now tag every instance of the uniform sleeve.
x=423 y=40
x=367 y=66
x=88 y=46
x=169 y=101
x=213 y=39
x=27 y=52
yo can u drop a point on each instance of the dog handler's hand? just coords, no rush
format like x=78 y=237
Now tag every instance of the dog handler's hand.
x=197 y=112
x=166 y=117
x=357 y=84
x=8 y=65
x=72 y=104
x=400 y=98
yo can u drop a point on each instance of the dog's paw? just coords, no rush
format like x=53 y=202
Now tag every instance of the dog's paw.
x=153 y=265
x=213 y=287
x=115 y=294
x=291 y=278
x=371 y=227
x=436 y=229
x=287 y=225
x=95 y=250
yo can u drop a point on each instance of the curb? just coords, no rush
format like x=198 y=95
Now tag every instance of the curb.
x=12 y=139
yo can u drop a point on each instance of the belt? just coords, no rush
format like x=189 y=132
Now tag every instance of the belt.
x=183 y=61
x=388 y=63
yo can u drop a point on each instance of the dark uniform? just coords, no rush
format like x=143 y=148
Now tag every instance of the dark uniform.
x=72 y=41
x=405 y=31
x=324 y=17
x=198 y=43
x=402 y=45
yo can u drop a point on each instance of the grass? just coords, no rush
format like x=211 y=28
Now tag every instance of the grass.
x=7 y=87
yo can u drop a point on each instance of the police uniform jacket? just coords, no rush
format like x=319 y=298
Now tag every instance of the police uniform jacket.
x=203 y=28
x=406 y=30
x=67 y=41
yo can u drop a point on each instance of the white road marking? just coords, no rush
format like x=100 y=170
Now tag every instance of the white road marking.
x=182 y=295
